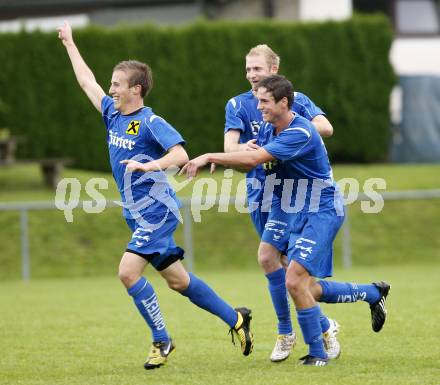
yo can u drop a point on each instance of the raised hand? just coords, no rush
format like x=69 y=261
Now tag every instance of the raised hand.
x=65 y=33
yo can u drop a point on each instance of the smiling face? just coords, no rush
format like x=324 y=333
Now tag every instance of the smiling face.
x=124 y=96
x=257 y=69
x=271 y=110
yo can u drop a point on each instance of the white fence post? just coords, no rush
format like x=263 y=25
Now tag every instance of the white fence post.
x=346 y=241
x=25 y=257
x=187 y=235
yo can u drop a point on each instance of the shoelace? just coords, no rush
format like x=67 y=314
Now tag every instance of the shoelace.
x=285 y=345
x=330 y=342
x=231 y=332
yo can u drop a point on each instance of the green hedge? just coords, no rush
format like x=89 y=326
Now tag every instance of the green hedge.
x=342 y=66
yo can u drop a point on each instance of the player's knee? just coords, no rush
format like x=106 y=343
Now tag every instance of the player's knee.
x=294 y=285
x=268 y=259
x=177 y=284
x=264 y=261
x=127 y=277
x=291 y=283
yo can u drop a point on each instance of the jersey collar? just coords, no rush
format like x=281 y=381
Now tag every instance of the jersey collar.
x=134 y=112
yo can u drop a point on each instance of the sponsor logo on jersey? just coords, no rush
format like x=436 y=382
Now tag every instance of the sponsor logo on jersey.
x=133 y=127
x=270 y=165
x=255 y=127
x=119 y=141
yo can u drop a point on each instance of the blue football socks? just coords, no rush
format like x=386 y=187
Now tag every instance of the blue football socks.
x=146 y=301
x=278 y=293
x=204 y=297
x=339 y=292
x=309 y=321
x=325 y=323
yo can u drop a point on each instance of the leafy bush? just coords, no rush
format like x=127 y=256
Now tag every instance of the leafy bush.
x=342 y=66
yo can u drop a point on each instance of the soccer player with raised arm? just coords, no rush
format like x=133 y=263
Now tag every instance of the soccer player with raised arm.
x=242 y=125
x=141 y=145
x=293 y=152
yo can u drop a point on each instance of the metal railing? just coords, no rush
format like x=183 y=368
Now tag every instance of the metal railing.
x=24 y=207
x=387 y=196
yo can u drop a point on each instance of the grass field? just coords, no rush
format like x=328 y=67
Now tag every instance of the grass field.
x=85 y=331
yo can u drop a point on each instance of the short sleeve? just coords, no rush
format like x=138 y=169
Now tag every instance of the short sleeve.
x=289 y=144
x=304 y=106
x=233 y=120
x=107 y=109
x=164 y=133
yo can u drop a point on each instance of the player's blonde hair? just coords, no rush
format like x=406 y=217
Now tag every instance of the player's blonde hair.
x=272 y=59
x=138 y=74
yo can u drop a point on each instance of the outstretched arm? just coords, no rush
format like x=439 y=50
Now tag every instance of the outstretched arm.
x=176 y=156
x=83 y=74
x=246 y=160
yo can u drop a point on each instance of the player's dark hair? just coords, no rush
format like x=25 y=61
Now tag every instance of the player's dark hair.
x=279 y=87
x=138 y=74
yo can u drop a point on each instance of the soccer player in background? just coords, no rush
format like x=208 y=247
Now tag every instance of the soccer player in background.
x=242 y=124
x=292 y=151
x=141 y=144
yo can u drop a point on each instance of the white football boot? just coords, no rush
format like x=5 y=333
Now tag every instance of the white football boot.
x=284 y=345
x=331 y=344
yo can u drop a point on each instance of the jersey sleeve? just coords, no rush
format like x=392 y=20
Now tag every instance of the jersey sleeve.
x=289 y=144
x=304 y=106
x=164 y=133
x=233 y=120
x=107 y=109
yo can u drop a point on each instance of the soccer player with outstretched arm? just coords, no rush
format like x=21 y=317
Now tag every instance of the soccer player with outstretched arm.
x=293 y=153
x=141 y=144
x=242 y=125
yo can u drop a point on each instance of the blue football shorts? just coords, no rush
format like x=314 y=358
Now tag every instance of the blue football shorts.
x=274 y=225
x=156 y=245
x=311 y=241
x=259 y=219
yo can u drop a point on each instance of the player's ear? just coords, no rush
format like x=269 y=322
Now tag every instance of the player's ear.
x=274 y=69
x=137 y=89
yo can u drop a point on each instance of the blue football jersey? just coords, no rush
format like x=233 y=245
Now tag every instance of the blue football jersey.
x=242 y=114
x=302 y=164
x=142 y=136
